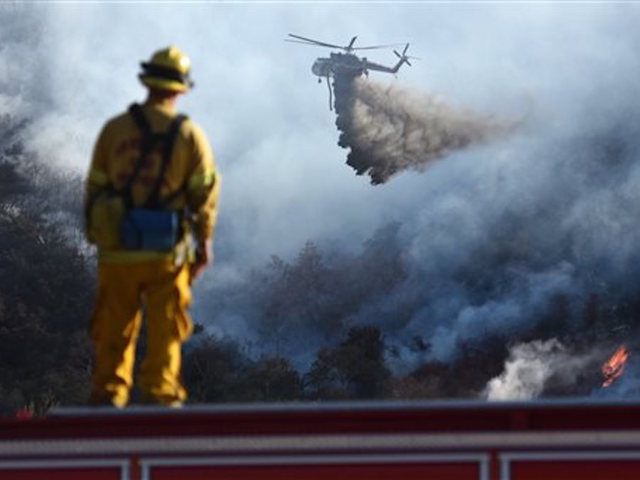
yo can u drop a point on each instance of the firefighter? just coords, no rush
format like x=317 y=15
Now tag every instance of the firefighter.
x=150 y=207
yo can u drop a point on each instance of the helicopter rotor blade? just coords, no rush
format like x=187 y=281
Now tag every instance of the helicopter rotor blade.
x=313 y=42
x=304 y=43
x=408 y=57
x=378 y=46
x=349 y=48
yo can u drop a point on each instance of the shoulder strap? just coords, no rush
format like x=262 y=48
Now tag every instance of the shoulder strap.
x=167 y=151
x=140 y=120
x=138 y=116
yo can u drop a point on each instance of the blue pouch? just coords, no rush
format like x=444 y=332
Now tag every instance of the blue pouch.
x=144 y=229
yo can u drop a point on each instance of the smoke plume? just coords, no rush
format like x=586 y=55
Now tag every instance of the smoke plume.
x=538 y=366
x=390 y=129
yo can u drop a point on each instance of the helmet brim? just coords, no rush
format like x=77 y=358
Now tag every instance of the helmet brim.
x=159 y=76
x=165 y=84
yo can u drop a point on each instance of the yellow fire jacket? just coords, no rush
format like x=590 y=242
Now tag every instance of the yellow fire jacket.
x=192 y=165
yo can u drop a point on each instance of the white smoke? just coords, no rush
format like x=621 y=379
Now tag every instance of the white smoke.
x=531 y=366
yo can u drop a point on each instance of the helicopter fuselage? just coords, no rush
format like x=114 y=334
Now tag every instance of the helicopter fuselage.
x=342 y=63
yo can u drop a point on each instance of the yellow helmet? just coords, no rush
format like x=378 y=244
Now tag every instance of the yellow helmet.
x=168 y=69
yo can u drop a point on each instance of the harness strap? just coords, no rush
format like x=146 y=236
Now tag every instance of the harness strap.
x=149 y=140
x=141 y=121
x=170 y=140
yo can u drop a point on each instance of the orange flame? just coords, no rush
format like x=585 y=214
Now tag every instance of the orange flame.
x=613 y=368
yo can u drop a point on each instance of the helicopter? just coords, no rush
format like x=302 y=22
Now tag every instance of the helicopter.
x=348 y=63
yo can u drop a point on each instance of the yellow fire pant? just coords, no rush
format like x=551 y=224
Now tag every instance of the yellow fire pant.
x=123 y=289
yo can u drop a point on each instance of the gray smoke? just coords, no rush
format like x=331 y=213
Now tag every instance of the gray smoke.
x=540 y=365
x=390 y=129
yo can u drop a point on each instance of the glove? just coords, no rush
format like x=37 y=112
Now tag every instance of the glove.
x=204 y=258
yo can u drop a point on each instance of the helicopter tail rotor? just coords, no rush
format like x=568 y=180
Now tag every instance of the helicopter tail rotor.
x=404 y=57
